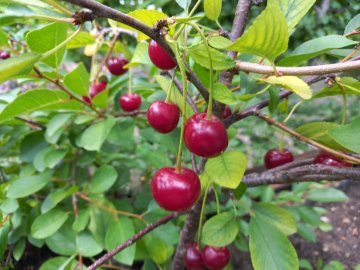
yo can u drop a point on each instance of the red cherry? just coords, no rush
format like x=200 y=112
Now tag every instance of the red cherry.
x=192 y=257
x=226 y=113
x=163 y=116
x=159 y=57
x=215 y=258
x=87 y=99
x=96 y=88
x=276 y=157
x=116 y=65
x=4 y=55
x=175 y=191
x=330 y=160
x=130 y=102
x=205 y=137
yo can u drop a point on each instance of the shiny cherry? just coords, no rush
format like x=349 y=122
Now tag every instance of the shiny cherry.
x=330 y=160
x=163 y=116
x=130 y=102
x=215 y=258
x=4 y=55
x=159 y=57
x=96 y=88
x=192 y=257
x=205 y=137
x=116 y=65
x=276 y=157
x=175 y=191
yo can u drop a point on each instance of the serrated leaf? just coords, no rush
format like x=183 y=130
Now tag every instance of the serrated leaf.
x=351 y=86
x=39 y=100
x=292 y=83
x=293 y=10
x=220 y=61
x=266 y=37
x=315 y=47
x=223 y=94
x=269 y=248
x=327 y=195
x=219 y=42
x=220 y=230
x=348 y=136
x=47 y=224
x=140 y=56
x=78 y=80
x=276 y=216
x=352 y=25
x=27 y=185
x=103 y=179
x=212 y=9
x=46 y=38
x=227 y=169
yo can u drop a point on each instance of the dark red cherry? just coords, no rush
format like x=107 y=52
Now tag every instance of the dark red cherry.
x=215 y=258
x=192 y=257
x=4 y=55
x=205 y=137
x=276 y=157
x=116 y=65
x=163 y=116
x=159 y=57
x=96 y=88
x=130 y=102
x=226 y=113
x=175 y=191
x=87 y=99
x=330 y=160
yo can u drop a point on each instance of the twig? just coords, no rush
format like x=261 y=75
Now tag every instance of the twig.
x=132 y=240
x=30 y=122
x=135 y=113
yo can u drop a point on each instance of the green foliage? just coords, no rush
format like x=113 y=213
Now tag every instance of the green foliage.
x=212 y=9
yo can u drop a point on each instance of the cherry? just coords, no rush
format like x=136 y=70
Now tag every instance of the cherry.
x=330 y=160
x=96 y=88
x=175 y=191
x=226 y=113
x=116 y=65
x=192 y=257
x=163 y=116
x=4 y=55
x=87 y=99
x=205 y=137
x=215 y=258
x=276 y=157
x=159 y=57
x=130 y=102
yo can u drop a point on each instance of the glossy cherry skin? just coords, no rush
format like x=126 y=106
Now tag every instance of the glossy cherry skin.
x=116 y=65
x=96 y=88
x=4 y=55
x=215 y=258
x=192 y=257
x=205 y=137
x=330 y=160
x=159 y=57
x=163 y=116
x=130 y=102
x=276 y=157
x=175 y=191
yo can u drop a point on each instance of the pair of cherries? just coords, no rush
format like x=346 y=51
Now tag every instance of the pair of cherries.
x=214 y=258
x=277 y=157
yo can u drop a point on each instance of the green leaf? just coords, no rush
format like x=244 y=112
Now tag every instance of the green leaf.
x=55 y=197
x=293 y=10
x=276 y=216
x=305 y=264
x=306 y=232
x=81 y=221
x=334 y=265
x=351 y=86
x=212 y=9
x=39 y=100
x=118 y=232
x=184 y=4
x=46 y=38
x=240 y=191
x=224 y=94
x=63 y=242
x=227 y=169
x=220 y=61
x=27 y=185
x=95 y=135
x=140 y=56
x=81 y=40
x=103 y=179
x=158 y=249
x=78 y=80
x=352 y=25
x=56 y=126
x=348 y=136
x=17 y=65
x=86 y=244
x=269 y=248
x=9 y=205
x=292 y=83
x=327 y=195
x=308 y=215
x=4 y=234
x=47 y=224
x=220 y=230
x=57 y=263
x=266 y=37
x=315 y=47
x=19 y=249
x=219 y=42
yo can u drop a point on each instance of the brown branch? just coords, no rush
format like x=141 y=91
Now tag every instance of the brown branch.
x=30 y=122
x=132 y=240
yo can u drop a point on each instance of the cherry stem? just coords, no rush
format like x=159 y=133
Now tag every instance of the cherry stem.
x=130 y=81
x=168 y=94
x=217 y=200
x=58 y=7
x=343 y=93
x=177 y=34
x=282 y=133
x=202 y=211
